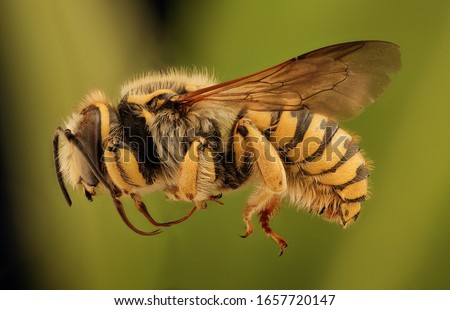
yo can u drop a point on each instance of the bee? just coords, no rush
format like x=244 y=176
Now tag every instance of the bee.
x=180 y=132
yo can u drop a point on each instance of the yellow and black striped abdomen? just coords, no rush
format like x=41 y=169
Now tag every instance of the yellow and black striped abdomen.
x=326 y=171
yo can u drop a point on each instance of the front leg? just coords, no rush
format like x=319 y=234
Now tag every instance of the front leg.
x=124 y=171
x=143 y=209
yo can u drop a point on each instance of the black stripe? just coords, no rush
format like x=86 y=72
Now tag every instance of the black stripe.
x=275 y=118
x=243 y=131
x=359 y=199
x=352 y=149
x=214 y=143
x=330 y=130
x=274 y=121
x=322 y=211
x=361 y=173
x=229 y=150
x=113 y=122
x=140 y=142
x=245 y=168
x=231 y=175
x=304 y=118
x=239 y=116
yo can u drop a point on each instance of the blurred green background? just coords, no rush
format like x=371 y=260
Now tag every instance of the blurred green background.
x=53 y=52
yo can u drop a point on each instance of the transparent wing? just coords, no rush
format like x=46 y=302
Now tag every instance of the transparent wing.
x=338 y=81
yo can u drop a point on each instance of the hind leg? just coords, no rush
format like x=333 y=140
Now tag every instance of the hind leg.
x=271 y=205
x=253 y=205
x=265 y=203
x=252 y=148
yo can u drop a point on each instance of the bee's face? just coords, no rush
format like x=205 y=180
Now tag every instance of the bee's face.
x=78 y=159
x=85 y=125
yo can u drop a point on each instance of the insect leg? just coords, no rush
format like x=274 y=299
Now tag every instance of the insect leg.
x=143 y=209
x=124 y=217
x=264 y=217
x=197 y=166
x=266 y=200
x=98 y=174
x=188 y=171
x=262 y=152
x=124 y=171
x=253 y=204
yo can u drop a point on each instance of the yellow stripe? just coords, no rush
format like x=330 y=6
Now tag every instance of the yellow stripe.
x=114 y=172
x=285 y=130
x=131 y=167
x=354 y=190
x=260 y=119
x=332 y=154
x=104 y=119
x=142 y=99
x=345 y=173
x=147 y=115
